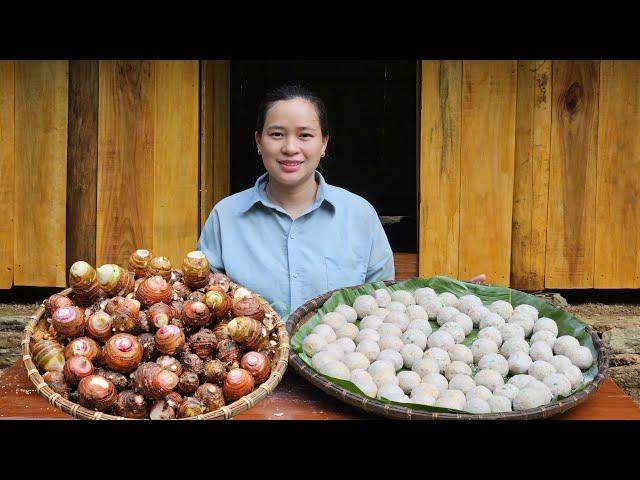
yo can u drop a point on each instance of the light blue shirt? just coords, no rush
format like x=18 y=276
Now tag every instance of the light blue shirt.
x=337 y=242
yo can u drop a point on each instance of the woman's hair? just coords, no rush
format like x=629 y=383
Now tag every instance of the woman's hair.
x=289 y=92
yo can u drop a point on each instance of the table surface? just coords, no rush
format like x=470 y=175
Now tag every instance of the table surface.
x=294 y=399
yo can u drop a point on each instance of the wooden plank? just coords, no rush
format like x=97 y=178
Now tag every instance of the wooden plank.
x=221 y=130
x=531 y=181
x=206 y=140
x=41 y=113
x=406 y=265
x=175 y=205
x=487 y=159
x=572 y=175
x=7 y=167
x=124 y=220
x=617 y=224
x=82 y=162
x=439 y=191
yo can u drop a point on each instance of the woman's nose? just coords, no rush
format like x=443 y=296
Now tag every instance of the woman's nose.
x=290 y=145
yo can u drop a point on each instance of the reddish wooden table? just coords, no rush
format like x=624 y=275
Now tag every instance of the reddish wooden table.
x=293 y=399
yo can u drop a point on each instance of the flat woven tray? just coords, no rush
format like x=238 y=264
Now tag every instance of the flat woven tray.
x=306 y=311
x=278 y=367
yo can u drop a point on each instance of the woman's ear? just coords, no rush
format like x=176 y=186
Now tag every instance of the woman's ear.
x=325 y=141
x=257 y=137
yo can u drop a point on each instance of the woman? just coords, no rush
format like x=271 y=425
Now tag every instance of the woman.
x=292 y=236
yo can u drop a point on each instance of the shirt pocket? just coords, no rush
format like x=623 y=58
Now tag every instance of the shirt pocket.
x=344 y=272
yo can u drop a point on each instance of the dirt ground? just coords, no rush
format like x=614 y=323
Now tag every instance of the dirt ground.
x=610 y=310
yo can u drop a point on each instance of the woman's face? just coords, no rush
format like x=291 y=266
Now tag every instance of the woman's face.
x=291 y=142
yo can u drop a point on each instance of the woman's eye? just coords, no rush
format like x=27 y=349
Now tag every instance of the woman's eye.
x=306 y=135
x=276 y=134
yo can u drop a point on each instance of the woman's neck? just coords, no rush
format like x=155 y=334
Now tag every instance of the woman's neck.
x=294 y=199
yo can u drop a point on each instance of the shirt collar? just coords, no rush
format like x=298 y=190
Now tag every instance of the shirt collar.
x=259 y=195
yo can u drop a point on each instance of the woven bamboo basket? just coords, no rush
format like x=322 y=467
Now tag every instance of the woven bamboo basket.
x=278 y=366
x=306 y=311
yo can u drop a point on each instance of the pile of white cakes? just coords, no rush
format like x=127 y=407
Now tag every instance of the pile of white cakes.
x=386 y=346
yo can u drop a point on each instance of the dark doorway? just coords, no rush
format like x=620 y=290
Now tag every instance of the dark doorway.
x=372 y=119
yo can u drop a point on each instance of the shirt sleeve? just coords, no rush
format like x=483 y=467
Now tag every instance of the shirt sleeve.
x=210 y=242
x=381 y=266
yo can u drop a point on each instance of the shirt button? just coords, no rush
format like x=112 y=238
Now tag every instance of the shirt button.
x=292 y=236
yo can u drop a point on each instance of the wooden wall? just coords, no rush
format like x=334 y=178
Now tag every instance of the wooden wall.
x=101 y=158
x=529 y=171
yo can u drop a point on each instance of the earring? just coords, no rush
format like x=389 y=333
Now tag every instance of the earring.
x=322 y=155
x=259 y=152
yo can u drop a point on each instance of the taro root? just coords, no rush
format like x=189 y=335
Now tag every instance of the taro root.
x=125 y=316
x=247 y=307
x=112 y=303
x=180 y=290
x=219 y=303
x=214 y=371
x=152 y=290
x=139 y=262
x=48 y=355
x=203 y=343
x=57 y=382
x=160 y=266
x=170 y=363
x=122 y=353
x=162 y=411
x=76 y=368
x=56 y=301
x=119 y=380
x=247 y=332
x=97 y=393
x=170 y=340
x=68 y=321
x=85 y=347
x=173 y=399
x=98 y=326
x=176 y=276
x=178 y=308
x=148 y=342
x=257 y=365
x=153 y=381
x=196 y=296
x=219 y=280
x=115 y=280
x=228 y=353
x=142 y=323
x=191 y=407
x=195 y=268
x=83 y=280
x=221 y=331
x=189 y=383
x=211 y=396
x=131 y=405
x=237 y=383
x=160 y=314
x=191 y=362
x=195 y=314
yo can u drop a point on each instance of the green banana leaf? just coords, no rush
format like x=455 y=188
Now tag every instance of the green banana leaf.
x=567 y=323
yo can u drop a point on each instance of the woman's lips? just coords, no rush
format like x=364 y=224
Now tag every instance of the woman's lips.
x=289 y=166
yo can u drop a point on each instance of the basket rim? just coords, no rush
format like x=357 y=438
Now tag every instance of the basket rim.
x=226 y=412
x=370 y=405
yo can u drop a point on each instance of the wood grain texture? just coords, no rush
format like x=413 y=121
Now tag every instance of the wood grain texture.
x=406 y=265
x=295 y=399
x=126 y=115
x=572 y=175
x=221 y=130
x=617 y=224
x=439 y=188
x=7 y=168
x=41 y=113
x=206 y=141
x=487 y=158
x=176 y=166
x=531 y=176
x=82 y=162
